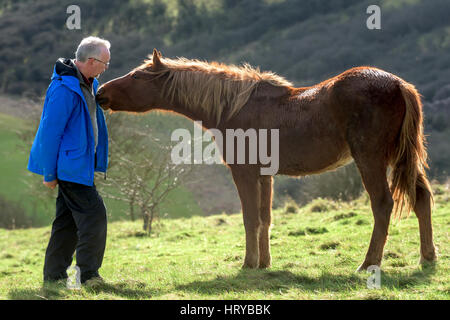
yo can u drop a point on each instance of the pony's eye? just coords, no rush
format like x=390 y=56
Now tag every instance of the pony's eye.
x=134 y=76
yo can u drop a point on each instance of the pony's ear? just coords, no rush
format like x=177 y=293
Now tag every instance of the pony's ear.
x=156 y=62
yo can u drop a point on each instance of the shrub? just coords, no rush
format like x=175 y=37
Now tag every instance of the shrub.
x=13 y=215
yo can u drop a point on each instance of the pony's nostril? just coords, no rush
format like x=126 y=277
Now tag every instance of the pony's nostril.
x=99 y=96
x=100 y=99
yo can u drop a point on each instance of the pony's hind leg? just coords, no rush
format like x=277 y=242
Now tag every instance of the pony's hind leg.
x=266 y=220
x=422 y=209
x=375 y=181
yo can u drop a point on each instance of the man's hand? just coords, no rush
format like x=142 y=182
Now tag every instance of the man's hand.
x=51 y=184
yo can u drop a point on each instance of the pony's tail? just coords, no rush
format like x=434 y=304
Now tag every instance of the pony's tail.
x=410 y=157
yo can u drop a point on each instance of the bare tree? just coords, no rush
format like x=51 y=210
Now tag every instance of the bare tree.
x=141 y=172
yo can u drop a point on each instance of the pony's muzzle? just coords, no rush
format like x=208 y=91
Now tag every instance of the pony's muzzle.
x=101 y=100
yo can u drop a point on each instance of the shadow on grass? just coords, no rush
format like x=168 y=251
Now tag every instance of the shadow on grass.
x=127 y=289
x=274 y=281
x=47 y=292
x=123 y=289
x=245 y=280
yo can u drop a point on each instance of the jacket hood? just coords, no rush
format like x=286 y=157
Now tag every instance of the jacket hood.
x=65 y=67
x=66 y=70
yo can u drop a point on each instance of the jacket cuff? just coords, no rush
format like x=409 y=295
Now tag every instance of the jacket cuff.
x=49 y=177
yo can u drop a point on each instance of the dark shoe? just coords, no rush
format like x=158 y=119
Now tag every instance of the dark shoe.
x=94 y=283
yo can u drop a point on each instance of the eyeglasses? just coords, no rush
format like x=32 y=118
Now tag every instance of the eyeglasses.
x=105 y=63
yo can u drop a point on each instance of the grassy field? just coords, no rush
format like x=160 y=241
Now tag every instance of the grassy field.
x=315 y=254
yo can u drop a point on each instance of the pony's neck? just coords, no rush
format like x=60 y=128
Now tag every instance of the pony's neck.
x=195 y=114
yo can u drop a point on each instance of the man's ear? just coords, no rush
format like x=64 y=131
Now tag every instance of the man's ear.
x=156 y=62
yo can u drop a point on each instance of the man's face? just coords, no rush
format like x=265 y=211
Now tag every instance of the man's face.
x=98 y=65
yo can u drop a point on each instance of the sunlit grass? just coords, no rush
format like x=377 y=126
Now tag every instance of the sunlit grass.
x=315 y=255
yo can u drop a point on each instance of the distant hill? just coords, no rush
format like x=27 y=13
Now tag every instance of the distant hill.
x=305 y=41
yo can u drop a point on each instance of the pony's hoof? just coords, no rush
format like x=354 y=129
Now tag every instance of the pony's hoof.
x=251 y=262
x=249 y=265
x=264 y=265
x=365 y=266
x=427 y=263
x=429 y=259
x=360 y=269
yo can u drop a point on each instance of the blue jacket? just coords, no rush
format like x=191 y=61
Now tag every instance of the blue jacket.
x=64 y=144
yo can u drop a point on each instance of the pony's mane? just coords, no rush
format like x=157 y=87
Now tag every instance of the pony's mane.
x=214 y=87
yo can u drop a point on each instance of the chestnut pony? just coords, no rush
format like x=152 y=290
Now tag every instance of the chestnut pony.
x=364 y=114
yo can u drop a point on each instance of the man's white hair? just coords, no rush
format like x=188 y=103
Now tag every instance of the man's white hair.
x=90 y=47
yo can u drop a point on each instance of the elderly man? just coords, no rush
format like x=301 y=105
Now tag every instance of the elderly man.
x=70 y=144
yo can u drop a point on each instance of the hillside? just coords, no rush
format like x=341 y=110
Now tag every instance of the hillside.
x=315 y=254
x=305 y=41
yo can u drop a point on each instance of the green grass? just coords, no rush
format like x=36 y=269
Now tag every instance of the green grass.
x=315 y=255
x=14 y=175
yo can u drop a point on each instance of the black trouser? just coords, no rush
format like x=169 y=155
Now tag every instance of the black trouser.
x=80 y=225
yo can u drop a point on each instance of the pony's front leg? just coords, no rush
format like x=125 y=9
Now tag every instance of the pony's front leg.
x=249 y=189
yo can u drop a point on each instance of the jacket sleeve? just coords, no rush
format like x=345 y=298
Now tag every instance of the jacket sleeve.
x=55 y=116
